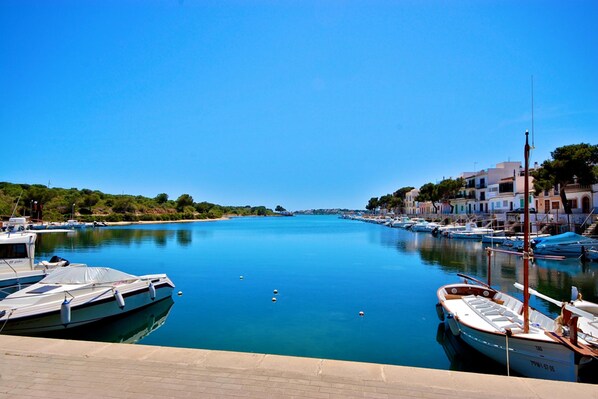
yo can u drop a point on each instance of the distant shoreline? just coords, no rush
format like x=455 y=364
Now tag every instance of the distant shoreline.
x=165 y=221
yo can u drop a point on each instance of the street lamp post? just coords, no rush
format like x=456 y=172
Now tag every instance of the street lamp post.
x=73 y=211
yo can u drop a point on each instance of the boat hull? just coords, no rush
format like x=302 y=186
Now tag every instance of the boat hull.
x=89 y=312
x=530 y=358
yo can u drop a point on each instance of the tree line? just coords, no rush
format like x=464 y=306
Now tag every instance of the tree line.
x=570 y=164
x=59 y=204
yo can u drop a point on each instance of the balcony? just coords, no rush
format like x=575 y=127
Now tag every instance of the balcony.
x=480 y=185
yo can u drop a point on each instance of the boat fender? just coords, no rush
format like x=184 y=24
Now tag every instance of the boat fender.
x=452 y=323
x=574 y=293
x=65 y=312
x=119 y=299
x=152 y=291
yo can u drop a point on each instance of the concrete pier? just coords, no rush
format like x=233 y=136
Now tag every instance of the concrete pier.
x=51 y=368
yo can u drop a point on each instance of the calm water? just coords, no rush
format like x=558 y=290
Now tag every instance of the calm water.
x=326 y=271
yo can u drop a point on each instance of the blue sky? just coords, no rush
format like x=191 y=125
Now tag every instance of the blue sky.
x=298 y=103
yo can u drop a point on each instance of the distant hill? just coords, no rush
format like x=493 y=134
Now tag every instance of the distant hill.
x=59 y=204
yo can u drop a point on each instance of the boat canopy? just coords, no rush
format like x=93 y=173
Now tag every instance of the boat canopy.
x=567 y=238
x=86 y=275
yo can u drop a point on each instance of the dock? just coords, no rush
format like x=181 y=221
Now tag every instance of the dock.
x=55 y=368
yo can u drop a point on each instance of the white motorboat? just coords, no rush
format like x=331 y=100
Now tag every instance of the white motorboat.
x=444 y=231
x=73 y=296
x=471 y=232
x=401 y=222
x=514 y=334
x=425 y=226
x=17 y=266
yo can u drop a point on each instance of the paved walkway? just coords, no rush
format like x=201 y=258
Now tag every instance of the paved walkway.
x=48 y=368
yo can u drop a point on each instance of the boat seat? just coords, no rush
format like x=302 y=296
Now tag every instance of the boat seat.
x=517 y=307
x=506 y=312
x=491 y=312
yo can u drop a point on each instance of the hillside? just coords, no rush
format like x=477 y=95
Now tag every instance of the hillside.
x=59 y=204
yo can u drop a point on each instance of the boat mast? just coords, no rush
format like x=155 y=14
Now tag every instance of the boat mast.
x=526 y=254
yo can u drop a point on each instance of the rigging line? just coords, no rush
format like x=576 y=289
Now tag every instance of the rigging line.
x=533 y=145
x=16 y=205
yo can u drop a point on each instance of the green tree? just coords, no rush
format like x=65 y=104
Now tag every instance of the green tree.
x=124 y=204
x=161 y=198
x=448 y=189
x=203 y=207
x=576 y=163
x=183 y=201
x=372 y=204
x=429 y=192
x=385 y=202
x=279 y=209
x=401 y=192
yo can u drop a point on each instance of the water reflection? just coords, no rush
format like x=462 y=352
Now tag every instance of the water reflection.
x=47 y=244
x=551 y=277
x=129 y=328
x=462 y=357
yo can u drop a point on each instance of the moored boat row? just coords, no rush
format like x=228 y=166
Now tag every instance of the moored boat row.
x=565 y=245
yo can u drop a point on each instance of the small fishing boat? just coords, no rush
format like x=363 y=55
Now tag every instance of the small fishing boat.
x=73 y=296
x=512 y=333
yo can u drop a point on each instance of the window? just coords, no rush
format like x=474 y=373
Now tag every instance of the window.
x=505 y=187
x=555 y=204
x=572 y=203
x=505 y=204
x=13 y=251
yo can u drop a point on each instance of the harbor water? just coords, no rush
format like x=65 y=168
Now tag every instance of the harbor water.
x=326 y=271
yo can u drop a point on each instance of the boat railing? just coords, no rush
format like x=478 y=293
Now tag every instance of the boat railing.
x=11 y=268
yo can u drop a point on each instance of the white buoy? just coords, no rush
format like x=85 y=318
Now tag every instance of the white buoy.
x=152 y=291
x=119 y=299
x=275 y=292
x=361 y=313
x=273 y=299
x=65 y=312
x=180 y=293
x=240 y=277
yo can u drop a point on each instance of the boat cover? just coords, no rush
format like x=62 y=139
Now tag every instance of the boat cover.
x=86 y=275
x=567 y=238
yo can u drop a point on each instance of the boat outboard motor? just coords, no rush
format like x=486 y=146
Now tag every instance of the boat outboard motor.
x=57 y=259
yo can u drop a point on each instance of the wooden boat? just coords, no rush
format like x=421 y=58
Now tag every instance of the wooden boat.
x=512 y=333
